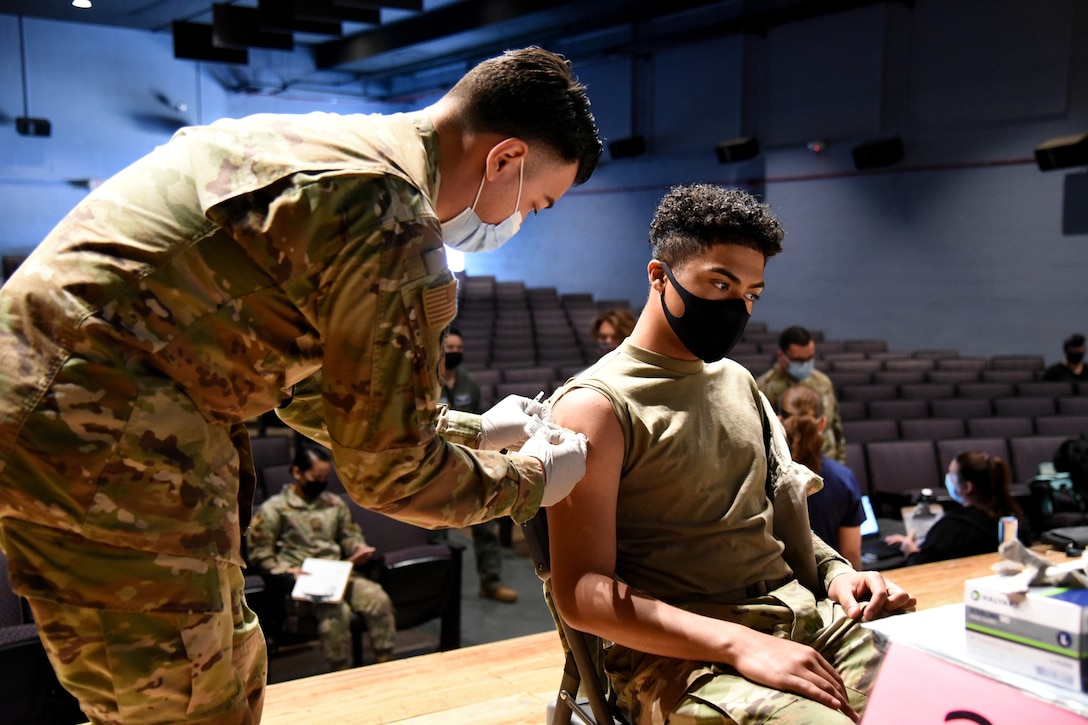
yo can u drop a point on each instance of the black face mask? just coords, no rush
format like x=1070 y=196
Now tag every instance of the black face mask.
x=313 y=489
x=1074 y=358
x=453 y=359
x=708 y=328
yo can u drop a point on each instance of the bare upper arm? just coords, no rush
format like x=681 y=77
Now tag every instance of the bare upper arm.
x=582 y=527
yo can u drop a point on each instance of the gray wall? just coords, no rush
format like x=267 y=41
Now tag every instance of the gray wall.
x=961 y=245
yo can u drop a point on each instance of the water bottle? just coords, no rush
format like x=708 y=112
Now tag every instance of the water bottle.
x=922 y=509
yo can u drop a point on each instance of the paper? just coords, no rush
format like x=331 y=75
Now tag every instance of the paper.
x=322 y=580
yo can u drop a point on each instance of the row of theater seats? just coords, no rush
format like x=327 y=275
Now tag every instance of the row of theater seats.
x=895 y=471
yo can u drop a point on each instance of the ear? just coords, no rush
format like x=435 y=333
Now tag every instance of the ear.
x=821 y=424
x=656 y=274
x=503 y=154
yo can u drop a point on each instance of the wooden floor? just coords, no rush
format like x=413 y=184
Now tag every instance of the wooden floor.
x=508 y=682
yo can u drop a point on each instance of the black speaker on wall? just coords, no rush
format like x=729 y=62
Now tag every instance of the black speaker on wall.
x=627 y=148
x=744 y=148
x=1062 y=152
x=878 y=153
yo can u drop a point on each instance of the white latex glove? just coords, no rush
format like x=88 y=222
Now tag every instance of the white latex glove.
x=511 y=422
x=563 y=454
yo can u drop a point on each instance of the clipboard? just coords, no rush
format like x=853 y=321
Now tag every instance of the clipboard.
x=323 y=581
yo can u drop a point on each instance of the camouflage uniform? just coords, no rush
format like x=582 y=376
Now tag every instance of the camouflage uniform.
x=274 y=261
x=710 y=542
x=775 y=382
x=286 y=530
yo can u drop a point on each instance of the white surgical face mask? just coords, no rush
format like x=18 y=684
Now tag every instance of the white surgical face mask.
x=466 y=232
x=801 y=370
x=950 y=484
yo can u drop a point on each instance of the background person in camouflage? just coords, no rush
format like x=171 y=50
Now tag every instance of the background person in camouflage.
x=721 y=605
x=796 y=365
x=277 y=261
x=304 y=521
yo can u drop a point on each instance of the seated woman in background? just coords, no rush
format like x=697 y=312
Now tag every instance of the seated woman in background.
x=835 y=511
x=980 y=482
x=612 y=327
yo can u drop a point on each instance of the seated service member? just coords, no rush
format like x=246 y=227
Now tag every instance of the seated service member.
x=278 y=261
x=796 y=365
x=665 y=548
x=305 y=521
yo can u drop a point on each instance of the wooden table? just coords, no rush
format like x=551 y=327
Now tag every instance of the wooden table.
x=512 y=681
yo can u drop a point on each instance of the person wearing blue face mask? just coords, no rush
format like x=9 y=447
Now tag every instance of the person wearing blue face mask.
x=796 y=365
x=979 y=483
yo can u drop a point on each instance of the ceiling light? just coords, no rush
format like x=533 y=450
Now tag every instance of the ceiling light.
x=81 y=4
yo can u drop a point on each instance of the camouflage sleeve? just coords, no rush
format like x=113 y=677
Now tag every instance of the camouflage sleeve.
x=383 y=299
x=303 y=412
x=829 y=563
x=838 y=450
x=264 y=531
x=350 y=535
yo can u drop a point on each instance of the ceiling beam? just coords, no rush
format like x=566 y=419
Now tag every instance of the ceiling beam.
x=432 y=25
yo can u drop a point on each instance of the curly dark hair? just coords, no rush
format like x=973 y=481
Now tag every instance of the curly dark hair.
x=692 y=217
x=532 y=94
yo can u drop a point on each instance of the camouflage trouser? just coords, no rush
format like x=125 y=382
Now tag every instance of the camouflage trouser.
x=370 y=601
x=485 y=542
x=658 y=690
x=137 y=668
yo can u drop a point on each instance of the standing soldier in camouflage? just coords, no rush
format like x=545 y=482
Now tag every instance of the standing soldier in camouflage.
x=274 y=262
x=688 y=547
x=795 y=364
x=305 y=521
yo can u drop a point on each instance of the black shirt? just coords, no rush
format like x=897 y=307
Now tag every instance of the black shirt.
x=960 y=532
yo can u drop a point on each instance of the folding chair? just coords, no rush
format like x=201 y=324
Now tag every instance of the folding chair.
x=579 y=669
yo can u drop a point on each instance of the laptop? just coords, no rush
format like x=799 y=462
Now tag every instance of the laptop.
x=873 y=546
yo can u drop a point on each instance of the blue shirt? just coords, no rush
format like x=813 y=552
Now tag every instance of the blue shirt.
x=837 y=505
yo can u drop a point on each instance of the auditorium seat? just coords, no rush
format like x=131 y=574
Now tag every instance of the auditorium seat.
x=1007 y=376
x=918 y=365
x=1018 y=362
x=931 y=429
x=899 y=377
x=961 y=363
x=961 y=408
x=537 y=372
x=935 y=354
x=841 y=378
x=952 y=376
x=1000 y=427
x=865 y=431
x=927 y=391
x=1073 y=405
x=852 y=410
x=947 y=450
x=865 y=346
x=855 y=461
x=1024 y=407
x=1065 y=425
x=872 y=391
x=898 y=470
x=1044 y=389
x=985 y=390
x=898 y=408
x=854 y=366
x=1029 y=451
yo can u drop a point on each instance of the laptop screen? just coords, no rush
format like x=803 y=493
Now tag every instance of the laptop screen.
x=869 y=526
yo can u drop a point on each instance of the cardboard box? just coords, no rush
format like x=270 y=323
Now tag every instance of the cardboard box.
x=1042 y=634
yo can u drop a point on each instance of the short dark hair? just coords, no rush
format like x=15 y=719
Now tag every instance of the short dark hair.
x=795 y=335
x=307 y=455
x=1074 y=340
x=693 y=217
x=532 y=94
